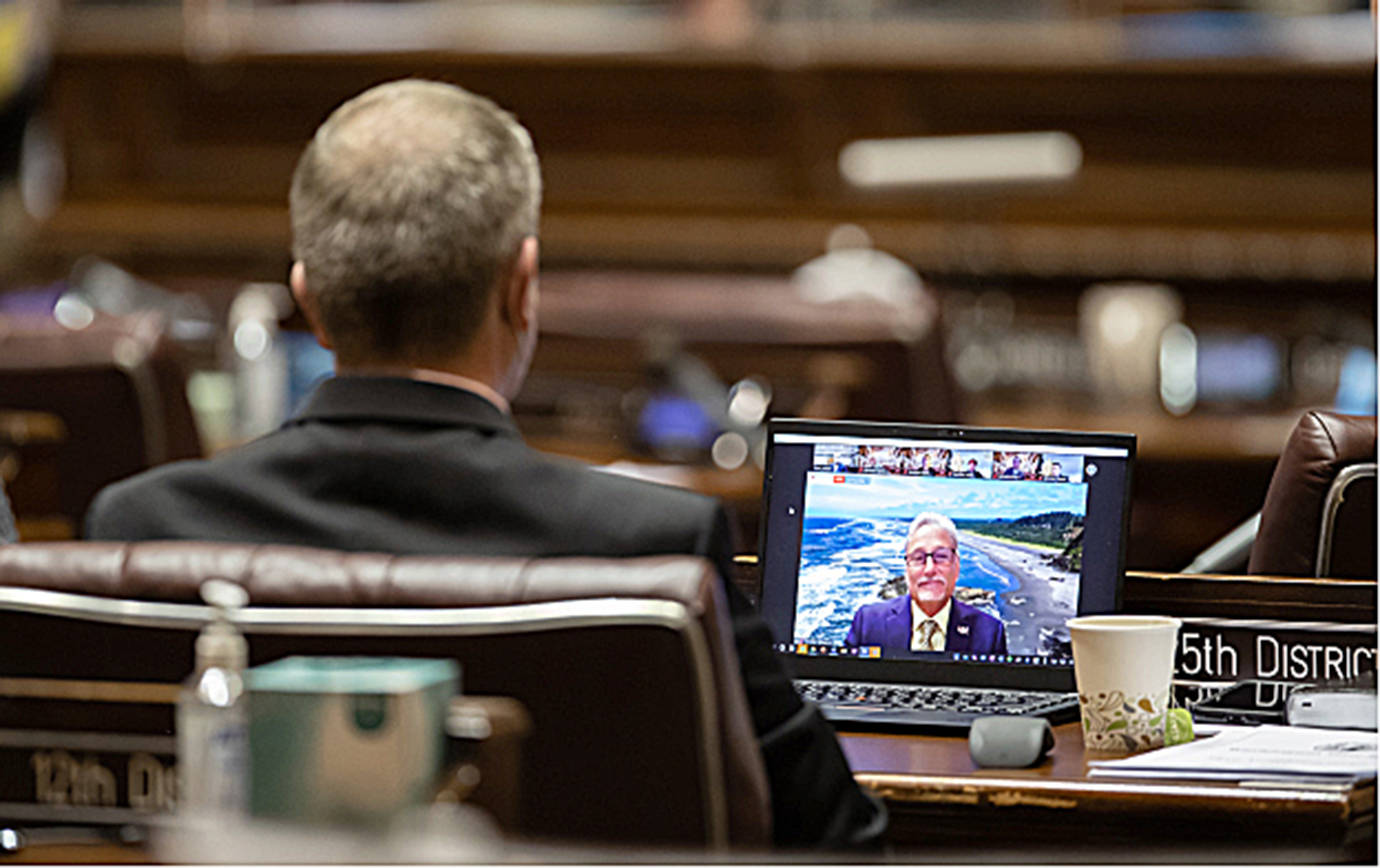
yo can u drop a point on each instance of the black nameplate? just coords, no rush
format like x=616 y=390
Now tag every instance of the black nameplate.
x=84 y=777
x=1215 y=652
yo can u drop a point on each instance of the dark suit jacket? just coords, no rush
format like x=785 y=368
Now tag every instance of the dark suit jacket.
x=396 y=465
x=888 y=624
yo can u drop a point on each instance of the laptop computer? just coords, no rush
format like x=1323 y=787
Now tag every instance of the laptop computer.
x=1040 y=518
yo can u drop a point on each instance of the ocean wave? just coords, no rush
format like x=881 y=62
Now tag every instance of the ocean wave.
x=827 y=596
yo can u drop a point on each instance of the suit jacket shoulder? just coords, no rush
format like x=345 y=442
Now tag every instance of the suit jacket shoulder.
x=411 y=467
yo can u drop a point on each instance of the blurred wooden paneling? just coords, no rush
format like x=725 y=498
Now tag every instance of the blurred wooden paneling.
x=662 y=152
x=1289 y=598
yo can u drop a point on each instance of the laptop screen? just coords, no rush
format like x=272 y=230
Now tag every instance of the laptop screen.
x=998 y=536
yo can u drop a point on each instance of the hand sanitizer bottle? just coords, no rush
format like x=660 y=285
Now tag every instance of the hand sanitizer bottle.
x=212 y=718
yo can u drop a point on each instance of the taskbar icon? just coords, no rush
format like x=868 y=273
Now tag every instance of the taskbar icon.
x=810 y=649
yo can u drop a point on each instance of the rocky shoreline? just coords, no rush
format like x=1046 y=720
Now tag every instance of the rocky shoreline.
x=1045 y=597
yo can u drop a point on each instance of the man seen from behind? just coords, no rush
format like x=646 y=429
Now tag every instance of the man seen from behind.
x=414 y=218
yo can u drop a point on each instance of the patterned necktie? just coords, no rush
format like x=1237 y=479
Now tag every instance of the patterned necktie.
x=929 y=636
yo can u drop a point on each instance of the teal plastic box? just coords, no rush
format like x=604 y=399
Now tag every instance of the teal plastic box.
x=346 y=739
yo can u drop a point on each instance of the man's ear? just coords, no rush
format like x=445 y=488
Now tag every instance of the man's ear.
x=306 y=302
x=519 y=300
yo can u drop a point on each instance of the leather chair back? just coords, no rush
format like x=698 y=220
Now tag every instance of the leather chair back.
x=119 y=388
x=640 y=727
x=1319 y=513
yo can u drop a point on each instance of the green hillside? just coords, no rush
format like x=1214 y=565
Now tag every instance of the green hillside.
x=1054 y=529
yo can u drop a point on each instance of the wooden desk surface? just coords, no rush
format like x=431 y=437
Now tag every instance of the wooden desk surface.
x=944 y=809
x=942 y=802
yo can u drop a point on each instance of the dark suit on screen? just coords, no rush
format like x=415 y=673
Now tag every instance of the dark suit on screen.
x=397 y=465
x=888 y=624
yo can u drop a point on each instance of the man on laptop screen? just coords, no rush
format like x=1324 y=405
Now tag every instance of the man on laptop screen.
x=937 y=529
x=928 y=618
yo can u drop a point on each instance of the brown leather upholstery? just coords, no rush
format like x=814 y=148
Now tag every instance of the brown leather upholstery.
x=119 y=388
x=1291 y=538
x=616 y=751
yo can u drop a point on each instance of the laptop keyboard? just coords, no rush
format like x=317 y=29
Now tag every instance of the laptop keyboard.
x=960 y=700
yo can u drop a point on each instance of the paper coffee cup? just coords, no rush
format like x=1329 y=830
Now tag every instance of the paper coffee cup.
x=1123 y=665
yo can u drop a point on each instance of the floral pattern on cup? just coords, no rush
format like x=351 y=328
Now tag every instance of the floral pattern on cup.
x=1113 y=721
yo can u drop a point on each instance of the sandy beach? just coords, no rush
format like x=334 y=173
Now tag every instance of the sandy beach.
x=1045 y=596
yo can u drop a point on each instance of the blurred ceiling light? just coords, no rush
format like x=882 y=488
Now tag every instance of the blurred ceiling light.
x=985 y=159
x=73 y=313
x=251 y=339
x=1178 y=369
x=730 y=450
x=1122 y=320
x=748 y=401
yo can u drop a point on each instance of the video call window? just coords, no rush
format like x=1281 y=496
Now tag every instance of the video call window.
x=1020 y=520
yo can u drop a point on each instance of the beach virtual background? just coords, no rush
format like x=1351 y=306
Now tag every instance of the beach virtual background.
x=1019 y=544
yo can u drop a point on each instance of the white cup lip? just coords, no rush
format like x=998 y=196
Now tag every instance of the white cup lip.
x=1110 y=623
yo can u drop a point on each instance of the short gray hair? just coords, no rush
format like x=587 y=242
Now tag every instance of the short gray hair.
x=409 y=205
x=934 y=519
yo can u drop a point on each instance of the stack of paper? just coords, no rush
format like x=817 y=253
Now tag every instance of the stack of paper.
x=1284 y=754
